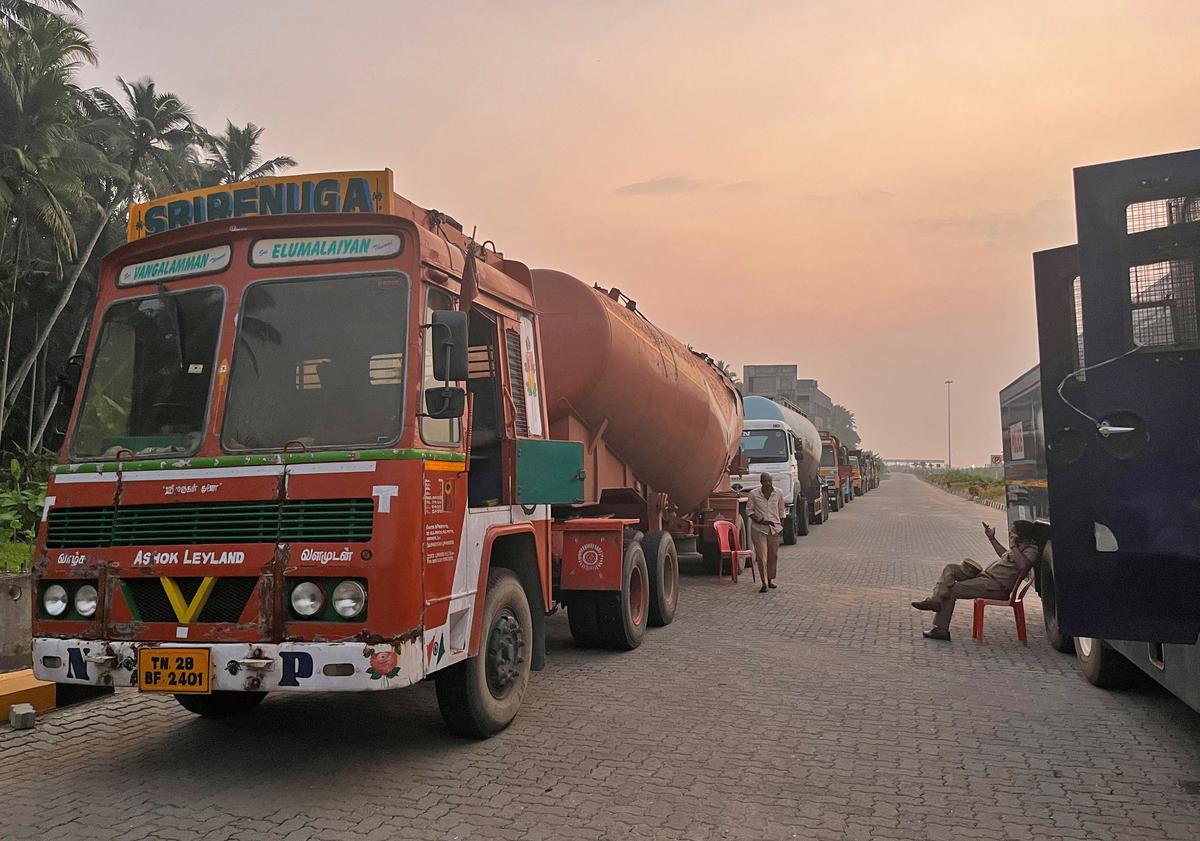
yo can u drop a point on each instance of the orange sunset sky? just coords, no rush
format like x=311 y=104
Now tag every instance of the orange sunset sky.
x=855 y=188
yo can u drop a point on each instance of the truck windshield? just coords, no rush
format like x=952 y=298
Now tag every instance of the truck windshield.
x=765 y=445
x=319 y=362
x=151 y=374
x=827 y=459
x=854 y=461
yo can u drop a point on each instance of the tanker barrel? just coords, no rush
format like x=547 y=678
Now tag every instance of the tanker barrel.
x=665 y=412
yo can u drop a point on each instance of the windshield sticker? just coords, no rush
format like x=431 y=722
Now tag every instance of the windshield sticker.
x=327 y=192
x=273 y=252
x=173 y=268
x=533 y=397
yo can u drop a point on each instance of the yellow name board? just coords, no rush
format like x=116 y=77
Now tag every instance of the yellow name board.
x=325 y=192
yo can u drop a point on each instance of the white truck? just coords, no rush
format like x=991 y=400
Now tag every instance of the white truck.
x=779 y=440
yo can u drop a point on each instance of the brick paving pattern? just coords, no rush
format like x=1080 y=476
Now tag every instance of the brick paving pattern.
x=815 y=711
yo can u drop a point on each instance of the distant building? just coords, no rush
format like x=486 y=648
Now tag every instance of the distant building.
x=775 y=381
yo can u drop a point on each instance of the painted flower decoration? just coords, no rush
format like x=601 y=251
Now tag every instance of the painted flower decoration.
x=383 y=664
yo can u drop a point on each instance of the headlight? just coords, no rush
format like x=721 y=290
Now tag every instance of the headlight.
x=54 y=600
x=349 y=599
x=86 y=599
x=307 y=599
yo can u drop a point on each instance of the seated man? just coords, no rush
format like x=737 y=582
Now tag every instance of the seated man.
x=969 y=581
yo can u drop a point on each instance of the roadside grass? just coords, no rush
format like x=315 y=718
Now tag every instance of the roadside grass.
x=963 y=480
x=15 y=556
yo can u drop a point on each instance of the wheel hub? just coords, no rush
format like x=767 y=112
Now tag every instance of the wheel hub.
x=505 y=658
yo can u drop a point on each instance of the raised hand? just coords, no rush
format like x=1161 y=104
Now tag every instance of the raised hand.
x=989 y=532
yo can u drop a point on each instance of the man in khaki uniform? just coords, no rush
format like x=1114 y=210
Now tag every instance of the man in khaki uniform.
x=767 y=510
x=969 y=580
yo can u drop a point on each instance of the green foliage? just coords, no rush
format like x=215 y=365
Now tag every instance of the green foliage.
x=15 y=557
x=842 y=426
x=20 y=503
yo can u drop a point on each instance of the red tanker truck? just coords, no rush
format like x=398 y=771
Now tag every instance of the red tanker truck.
x=326 y=442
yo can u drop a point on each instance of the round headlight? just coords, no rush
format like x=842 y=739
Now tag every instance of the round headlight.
x=307 y=599
x=349 y=599
x=54 y=600
x=86 y=600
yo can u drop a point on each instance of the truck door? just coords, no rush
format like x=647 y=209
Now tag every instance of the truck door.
x=1124 y=505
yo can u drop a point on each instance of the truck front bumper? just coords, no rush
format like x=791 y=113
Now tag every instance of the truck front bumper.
x=241 y=667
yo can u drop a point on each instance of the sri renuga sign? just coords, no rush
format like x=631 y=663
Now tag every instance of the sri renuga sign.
x=326 y=192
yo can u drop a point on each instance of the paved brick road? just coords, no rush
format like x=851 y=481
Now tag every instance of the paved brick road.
x=816 y=711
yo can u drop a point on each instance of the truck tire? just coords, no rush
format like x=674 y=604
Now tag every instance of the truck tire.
x=221 y=704
x=623 y=615
x=1102 y=665
x=662 y=567
x=801 y=509
x=584 y=620
x=1047 y=590
x=835 y=502
x=788 y=537
x=480 y=696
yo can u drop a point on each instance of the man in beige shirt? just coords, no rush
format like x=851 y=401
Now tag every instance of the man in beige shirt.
x=767 y=510
x=969 y=580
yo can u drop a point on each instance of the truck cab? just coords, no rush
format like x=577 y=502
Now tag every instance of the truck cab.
x=835 y=471
x=770 y=447
x=857 y=479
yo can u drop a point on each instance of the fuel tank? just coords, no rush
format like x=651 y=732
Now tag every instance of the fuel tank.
x=761 y=408
x=664 y=411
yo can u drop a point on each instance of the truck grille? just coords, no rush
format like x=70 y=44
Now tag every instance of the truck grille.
x=228 y=599
x=315 y=520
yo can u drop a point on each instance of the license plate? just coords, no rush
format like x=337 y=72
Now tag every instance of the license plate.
x=176 y=670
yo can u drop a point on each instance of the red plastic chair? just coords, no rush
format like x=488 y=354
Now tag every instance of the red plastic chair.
x=1015 y=600
x=729 y=546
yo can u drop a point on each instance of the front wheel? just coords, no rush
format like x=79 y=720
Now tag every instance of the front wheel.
x=221 y=704
x=481 y=695
x=801 y=509
x=835 y=503
x=1103 y=665
x=789 y=529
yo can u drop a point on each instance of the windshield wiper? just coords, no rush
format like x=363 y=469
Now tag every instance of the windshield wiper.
x=172 y=308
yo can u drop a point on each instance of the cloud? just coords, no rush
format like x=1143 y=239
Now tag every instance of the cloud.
x=1051 y=217
x=671 y=185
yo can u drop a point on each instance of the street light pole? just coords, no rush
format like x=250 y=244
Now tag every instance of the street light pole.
x=948 y=451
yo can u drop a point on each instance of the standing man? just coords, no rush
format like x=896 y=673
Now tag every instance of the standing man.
x=969 y=581
x=766 y=523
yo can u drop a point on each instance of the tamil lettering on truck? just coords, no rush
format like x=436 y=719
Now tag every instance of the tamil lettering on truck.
x=780 y=441
x=329 y=456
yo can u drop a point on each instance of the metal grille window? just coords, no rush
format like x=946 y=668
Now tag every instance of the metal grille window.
x=1077 y=291
x=1161 y=213
x=1162 y=300
x=516 y=379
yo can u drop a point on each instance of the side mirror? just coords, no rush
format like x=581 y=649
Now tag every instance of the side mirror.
x=68 y=380
x=445 y=401
x=448 y=333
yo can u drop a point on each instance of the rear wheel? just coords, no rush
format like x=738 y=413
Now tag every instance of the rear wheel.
x=801 y=509
x=1103 y=665
x=221 y=704
x=662 y=565
x=584 y=620
x=481 y=696
x=835 y=502
x=623 y=616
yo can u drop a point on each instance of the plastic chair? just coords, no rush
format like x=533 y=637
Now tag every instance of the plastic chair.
x=730 y=547
x=1015 y=600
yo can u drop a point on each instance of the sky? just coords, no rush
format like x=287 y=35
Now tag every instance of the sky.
x=853 y=188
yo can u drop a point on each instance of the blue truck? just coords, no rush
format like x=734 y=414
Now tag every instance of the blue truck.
x=1118 y=426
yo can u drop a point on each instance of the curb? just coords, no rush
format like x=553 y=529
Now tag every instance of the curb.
x=23 y=688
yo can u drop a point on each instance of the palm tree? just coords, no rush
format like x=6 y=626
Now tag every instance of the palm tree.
x=15 y=14
x=43 y=160
x=144 y=133
x=235 y=156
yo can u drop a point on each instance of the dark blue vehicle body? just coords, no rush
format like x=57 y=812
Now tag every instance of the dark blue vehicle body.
x=1125 y=506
